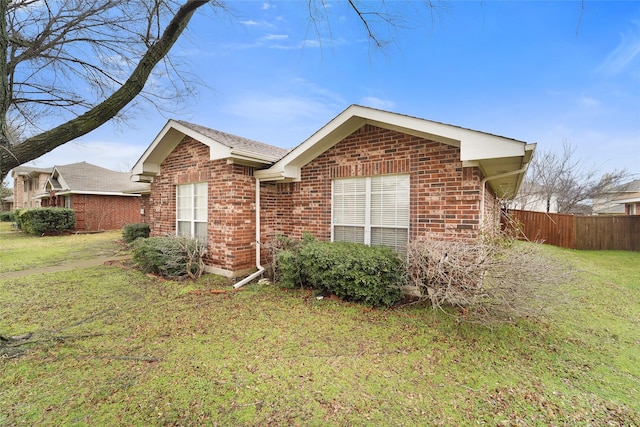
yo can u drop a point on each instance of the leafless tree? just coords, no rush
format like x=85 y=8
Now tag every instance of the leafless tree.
x=72 y=65
x=564 y=179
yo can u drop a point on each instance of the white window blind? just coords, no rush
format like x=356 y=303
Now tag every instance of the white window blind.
x=191 y=211
x=372 y=210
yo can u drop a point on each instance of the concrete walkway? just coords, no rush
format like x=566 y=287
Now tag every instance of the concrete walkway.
x=73 y=265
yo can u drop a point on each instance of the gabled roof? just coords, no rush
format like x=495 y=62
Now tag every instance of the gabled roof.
x=630 y=187
x=628 y=198
x=85 y=178
x=29 y=171
x=222 y=145
x=503 y=161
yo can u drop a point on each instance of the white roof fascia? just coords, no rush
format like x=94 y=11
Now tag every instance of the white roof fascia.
x=55 y=173
x=172 y=133
x=630 y=200
x=474 y=145
x=95 y=193
x=147 y=164
x=243 y=156
x=288 y=173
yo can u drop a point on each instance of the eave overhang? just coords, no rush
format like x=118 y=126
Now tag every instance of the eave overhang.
x=88 y=192
x=493 y=154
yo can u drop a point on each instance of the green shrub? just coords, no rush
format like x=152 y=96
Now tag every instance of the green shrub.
x=131 y=232
x=41 y=221
x=7 y=216
x=368 y=274
x=170 y=257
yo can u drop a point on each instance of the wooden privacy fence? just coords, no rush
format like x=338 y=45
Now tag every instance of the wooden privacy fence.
x=578 y=232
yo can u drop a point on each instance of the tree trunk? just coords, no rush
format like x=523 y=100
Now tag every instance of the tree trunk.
x=37 y=145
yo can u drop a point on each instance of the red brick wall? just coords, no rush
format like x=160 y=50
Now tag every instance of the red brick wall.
x=95 y=212
x=231 y=210
x=445 y=197
x=145 y=208
x=444 y=200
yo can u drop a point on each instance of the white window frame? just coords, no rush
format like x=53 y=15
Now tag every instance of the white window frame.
x=190 y=217
x=401 y=218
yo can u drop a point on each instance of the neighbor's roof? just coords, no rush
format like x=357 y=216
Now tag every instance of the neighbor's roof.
x=28 y=170
x=629 y=198
x=631 y=186
x=84 y=177
x=222 y=145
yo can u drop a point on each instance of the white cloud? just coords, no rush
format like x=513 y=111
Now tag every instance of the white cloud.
x=258 y=24
x=270 y=37
x=627 y=51
x=284 y=116
x=587 y=101
x=375 y=102
x=115 y=155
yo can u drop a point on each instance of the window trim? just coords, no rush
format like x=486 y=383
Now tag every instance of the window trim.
x=368 y=226
x=192 y=221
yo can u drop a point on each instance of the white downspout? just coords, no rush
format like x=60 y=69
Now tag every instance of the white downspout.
x=489 y=178
x=258 y=265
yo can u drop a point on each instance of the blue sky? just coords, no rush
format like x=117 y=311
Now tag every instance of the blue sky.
x=543 y=72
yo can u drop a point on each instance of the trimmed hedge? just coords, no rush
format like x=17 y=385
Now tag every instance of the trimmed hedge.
x=169 y=257
x=7 y=216
x=131 y=232
x=41 y=221
x=371 y=275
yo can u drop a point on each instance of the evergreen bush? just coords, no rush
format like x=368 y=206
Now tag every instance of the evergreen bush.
x=7 y=216
x=371 y=275
x=40 y=221
x=131 y=232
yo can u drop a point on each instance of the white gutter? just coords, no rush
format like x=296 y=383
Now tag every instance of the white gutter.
x=489 y=178
x=258 y=265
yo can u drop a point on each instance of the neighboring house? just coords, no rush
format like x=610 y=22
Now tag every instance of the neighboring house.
x=101 y=198
x=368 y=176
x=6 y=204
x=614 y=203
x=630 y=203
x=532 y=197
x=28 y=182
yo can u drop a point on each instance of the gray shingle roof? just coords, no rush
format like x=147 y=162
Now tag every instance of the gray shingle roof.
x=26 y=170
x=84 y=176
x=238 y=142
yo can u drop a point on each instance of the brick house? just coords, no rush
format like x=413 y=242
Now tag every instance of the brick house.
x=368 y=176
x=102 y=199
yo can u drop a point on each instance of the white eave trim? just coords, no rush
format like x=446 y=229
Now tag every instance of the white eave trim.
x=474 y=145
x=88 y=192
x=147 y=168
x=624 y=201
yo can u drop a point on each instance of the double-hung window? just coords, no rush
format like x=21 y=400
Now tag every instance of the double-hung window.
x=191 y=215
x=372 y=210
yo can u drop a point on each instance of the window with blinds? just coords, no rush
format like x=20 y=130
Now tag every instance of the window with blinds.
x=191 y=211
x=372 y=210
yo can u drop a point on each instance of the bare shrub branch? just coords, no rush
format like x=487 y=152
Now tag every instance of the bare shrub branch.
x=489 y=280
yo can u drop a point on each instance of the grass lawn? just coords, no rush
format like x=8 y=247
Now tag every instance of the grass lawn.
x=19 y=251
x=112 y=346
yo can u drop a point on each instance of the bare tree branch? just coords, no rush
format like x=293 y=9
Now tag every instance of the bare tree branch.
x=49 y=45
x=563 y=180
